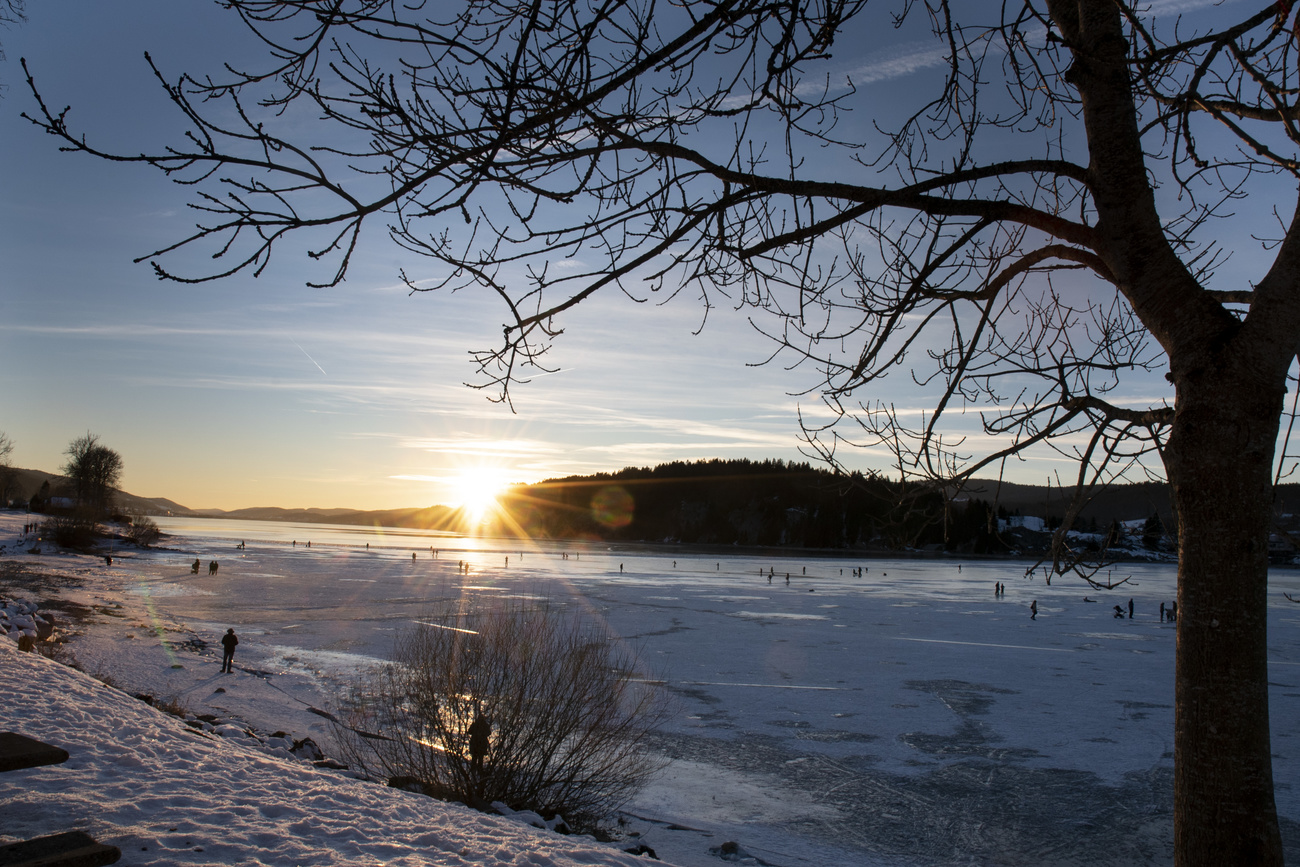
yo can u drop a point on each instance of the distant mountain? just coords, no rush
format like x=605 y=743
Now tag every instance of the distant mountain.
x=431 y=518
x=29 y=482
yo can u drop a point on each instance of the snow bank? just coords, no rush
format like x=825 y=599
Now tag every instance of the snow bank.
x=167 y=794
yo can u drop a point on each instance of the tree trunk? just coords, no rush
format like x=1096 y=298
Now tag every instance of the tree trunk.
x=1219 y=460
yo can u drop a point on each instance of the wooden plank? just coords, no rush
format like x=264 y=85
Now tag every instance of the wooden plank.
x=69 y=849
x=19 y=751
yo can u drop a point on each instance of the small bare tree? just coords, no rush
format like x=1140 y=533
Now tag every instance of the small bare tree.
x=7 y=475
x=94 y=470
x=569 y=715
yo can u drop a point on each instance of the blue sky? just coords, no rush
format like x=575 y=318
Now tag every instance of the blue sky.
x=265 y=392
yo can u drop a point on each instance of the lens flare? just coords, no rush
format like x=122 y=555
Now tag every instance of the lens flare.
x=613 y=506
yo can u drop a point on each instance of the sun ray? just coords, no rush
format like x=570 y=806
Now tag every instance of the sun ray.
x=476 y=490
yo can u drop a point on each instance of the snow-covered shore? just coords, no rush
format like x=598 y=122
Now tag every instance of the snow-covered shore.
x=167 y=794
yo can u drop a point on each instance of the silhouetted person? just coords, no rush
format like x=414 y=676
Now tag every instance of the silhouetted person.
x=1119 y=612
x=1033 y=610
x=479 y=732
x=194 y=567
x=1173 y=612
x=1162 y=612
x=1130 y=609
x=228 y=642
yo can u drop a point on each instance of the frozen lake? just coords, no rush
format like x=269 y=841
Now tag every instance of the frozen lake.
x=902 y=716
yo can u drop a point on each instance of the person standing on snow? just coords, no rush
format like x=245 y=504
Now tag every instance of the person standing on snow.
x=228 y=641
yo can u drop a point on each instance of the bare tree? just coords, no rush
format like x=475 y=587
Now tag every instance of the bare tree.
x=569 y=712
x=94 y=470
x=1044 y=224
x=7 y=473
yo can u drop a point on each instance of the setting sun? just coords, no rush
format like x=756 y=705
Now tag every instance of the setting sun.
x=476 y=489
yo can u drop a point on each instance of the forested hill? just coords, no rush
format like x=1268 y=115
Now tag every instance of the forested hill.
x=796 y=504
x=715 y=502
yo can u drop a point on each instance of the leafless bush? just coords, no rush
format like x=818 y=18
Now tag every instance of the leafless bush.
x=570 y=716
x=58 y=651
x=173 y=705
x=77 y=530
x=144 y=532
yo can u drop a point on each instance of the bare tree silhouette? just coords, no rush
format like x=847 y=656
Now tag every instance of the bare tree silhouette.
x=1044 y=223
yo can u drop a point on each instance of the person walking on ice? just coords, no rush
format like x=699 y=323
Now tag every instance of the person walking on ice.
x=1033 y=610
x=228 y=642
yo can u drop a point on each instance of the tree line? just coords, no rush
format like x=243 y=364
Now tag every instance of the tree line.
x=764 y=503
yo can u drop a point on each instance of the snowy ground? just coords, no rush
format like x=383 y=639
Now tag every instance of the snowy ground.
x=904 y=717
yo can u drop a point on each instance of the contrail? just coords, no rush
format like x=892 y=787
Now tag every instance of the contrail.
x=309 y=358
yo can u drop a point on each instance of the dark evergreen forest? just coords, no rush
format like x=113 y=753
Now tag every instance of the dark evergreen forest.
x=744 y=502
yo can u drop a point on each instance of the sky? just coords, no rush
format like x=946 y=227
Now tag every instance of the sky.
x=255 y=392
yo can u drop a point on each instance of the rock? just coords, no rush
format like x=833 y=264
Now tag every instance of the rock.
x=307 y=749
x=731 y=851
x=45 y=627
x=330 y=764
x=26 y=643
x=408 y=784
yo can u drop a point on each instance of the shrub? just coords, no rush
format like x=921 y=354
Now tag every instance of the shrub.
x=570 y=717
x=144 y=532
x=76 y=530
